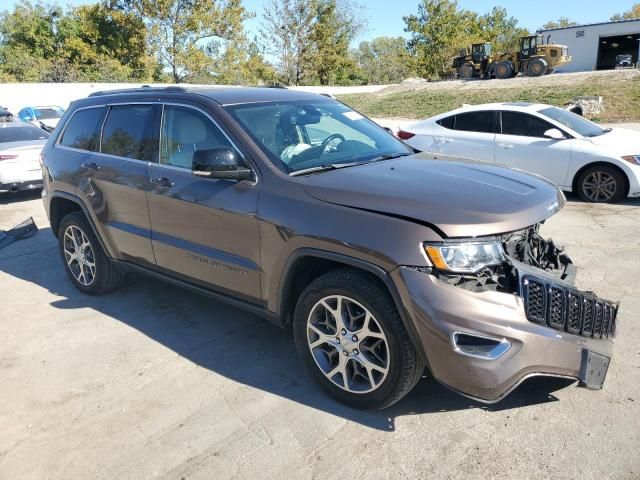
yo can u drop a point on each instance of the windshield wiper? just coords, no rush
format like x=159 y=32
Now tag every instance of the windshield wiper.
x=321 y=168
x=335 y=166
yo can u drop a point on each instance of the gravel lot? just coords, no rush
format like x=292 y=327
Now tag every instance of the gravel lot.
x=153 y=381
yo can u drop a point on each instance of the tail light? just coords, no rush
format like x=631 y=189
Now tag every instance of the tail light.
x=402 y=135
x=8 y=157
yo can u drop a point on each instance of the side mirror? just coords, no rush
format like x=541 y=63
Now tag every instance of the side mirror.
x=220 y=163
x=554 y=134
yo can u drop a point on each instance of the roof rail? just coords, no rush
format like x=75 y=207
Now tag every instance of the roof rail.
x=143 y=88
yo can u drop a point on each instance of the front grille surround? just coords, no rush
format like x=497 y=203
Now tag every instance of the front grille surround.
x=566 y=309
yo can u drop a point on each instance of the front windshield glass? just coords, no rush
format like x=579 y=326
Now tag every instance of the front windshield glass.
x=578 y=124
x=47 y=113
x=310 y=134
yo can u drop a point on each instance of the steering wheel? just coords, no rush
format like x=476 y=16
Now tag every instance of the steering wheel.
x=330 y=139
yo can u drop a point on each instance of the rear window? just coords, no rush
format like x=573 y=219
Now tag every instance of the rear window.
x=83 y=130
x=22 y=133
x=48 y=113
x=128 y=132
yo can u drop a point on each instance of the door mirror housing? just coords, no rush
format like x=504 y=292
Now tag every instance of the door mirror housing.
x=222 y=163
x=554 y=134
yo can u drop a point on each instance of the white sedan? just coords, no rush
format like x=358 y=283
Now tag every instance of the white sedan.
x=599 y=164
x=20 y=147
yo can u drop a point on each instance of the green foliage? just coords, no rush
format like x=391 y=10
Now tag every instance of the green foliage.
x=438 y=31
x=384 y=60
x=500 y=29
x=89 y=43
x=633 y=12
x=560 y=23
x=179 y=29
x=311 y=38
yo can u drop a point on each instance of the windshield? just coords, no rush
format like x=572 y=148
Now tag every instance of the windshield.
x=46 y=113
x=22 y=133
x=578 y=124
x=303 y=135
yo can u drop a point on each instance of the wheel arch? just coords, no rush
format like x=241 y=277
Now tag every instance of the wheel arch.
x=61 y=204
x=306 y=264
x=581 y=170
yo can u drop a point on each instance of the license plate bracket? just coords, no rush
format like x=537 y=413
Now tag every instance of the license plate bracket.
x=593 y=369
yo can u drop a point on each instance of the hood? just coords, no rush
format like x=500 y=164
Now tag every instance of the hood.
x=460 y=198
x=618 y=141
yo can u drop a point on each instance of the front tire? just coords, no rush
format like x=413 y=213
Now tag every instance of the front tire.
x=350 y=336
x=601 y=184
x=86 y=264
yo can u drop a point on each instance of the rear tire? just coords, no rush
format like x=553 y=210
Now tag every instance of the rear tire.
x=601 y=184
x=536 y=67
x=503 y=70
x=86 y=264
x=346 y=311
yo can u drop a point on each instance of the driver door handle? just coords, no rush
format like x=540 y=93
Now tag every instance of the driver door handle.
x=162 y=182
x=91 y=166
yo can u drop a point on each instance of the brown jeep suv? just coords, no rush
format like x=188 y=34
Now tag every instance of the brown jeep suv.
x=383 y=261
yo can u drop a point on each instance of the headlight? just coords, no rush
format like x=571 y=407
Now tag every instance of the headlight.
x=465 y=257
x=635 y=159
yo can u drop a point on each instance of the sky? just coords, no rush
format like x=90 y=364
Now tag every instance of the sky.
x=385 y=16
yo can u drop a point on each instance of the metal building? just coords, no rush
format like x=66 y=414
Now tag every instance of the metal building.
x=597 y=46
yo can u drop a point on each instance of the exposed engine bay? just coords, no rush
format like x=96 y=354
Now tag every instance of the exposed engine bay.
x=525 y=246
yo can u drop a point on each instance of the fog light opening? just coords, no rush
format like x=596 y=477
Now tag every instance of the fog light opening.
x=478 y=346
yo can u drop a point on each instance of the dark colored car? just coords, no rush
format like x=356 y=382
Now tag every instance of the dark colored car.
x=381 y=260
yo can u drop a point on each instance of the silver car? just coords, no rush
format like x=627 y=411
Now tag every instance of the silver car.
x=20 y=147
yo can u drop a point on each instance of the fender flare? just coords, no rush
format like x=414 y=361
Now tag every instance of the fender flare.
x=369 y=267
x=75 y=199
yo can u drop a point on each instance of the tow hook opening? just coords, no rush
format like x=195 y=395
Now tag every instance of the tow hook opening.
x=478 y=346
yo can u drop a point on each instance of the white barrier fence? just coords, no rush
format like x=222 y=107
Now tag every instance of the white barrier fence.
x=15 y=96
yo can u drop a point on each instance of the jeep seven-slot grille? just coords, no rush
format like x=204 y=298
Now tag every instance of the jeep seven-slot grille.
x=568 y=310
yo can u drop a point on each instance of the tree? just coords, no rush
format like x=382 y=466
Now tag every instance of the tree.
x=333 y=29
x=560 y=23
x=286 y=32
x=633 y=12
x=238 y=62
x=180 y=29
x=500 y=29
x=384 y=60
x=437 y=32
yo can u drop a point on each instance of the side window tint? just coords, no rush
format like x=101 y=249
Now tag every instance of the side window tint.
x=448 y=122
x=83 y=130
x=128 y=132
x=184 y=132
x=514 y=123
x=475 y=122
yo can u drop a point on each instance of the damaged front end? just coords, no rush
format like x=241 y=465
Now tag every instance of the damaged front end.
x=541 y=273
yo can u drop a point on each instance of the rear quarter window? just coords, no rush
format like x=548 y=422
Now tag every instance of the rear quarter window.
x=447 y=122
x=83 y=129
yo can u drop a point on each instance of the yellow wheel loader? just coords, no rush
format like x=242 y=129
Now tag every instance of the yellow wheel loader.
x=533 y=59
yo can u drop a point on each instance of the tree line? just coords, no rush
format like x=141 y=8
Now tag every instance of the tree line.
x=299 y=42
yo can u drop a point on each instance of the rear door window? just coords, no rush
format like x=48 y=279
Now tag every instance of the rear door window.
x=523 y=125
x=475 y=122
x=83 y=130
x=128 y=132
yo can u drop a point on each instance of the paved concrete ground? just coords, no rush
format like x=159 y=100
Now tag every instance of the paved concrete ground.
x=153 y=381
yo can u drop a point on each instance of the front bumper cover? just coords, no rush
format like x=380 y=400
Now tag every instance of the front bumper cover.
x=439 y=311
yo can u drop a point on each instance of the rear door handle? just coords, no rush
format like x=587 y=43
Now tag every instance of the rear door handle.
x=162 y=182
x=91 y=166
x=444 y=140
x=505 y=145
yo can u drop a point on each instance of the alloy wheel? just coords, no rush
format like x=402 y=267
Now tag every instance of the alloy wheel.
x=599 y=186
x=79 y=255
x=348 y=344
